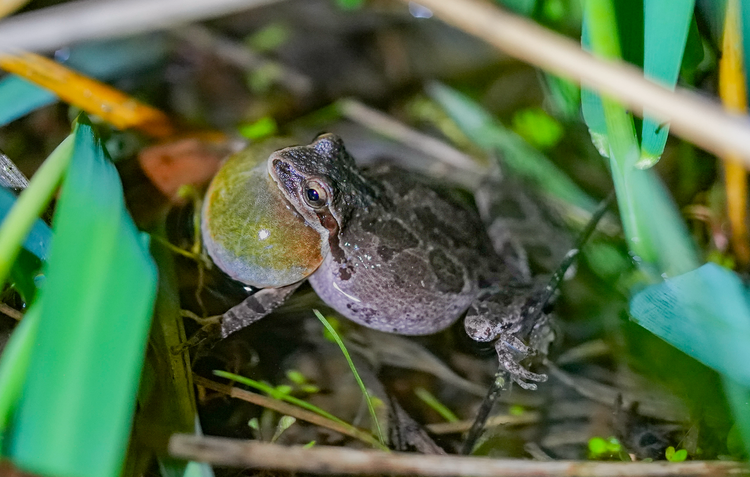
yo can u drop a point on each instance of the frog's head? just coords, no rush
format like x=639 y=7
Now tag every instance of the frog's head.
x=321 y=181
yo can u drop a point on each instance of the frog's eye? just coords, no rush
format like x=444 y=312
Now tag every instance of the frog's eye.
x=315 y=194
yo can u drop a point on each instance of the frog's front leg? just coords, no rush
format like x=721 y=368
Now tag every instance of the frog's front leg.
x=252 y=309
x=507 y=318
x=255 y=307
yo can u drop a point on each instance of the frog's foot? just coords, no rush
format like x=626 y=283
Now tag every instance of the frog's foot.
x=509 y=348
x=487 y=319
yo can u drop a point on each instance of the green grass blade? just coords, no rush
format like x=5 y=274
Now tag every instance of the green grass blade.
x=271 y=391
x=625 y=41
x=365 y=393
x=77 y=404
x=667 y=24
x=437 y=406
x=30 y=204
x=654 y=229
x=520 y=157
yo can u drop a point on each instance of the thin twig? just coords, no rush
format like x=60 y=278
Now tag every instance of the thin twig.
x=499 y=384
x=284 y=408
x=692 y=117
x=389 y=127
x=339 y=460
x=53 y=27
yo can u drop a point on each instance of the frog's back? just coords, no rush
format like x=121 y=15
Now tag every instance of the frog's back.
x=413 y=262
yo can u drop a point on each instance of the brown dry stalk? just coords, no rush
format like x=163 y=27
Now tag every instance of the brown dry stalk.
x=391 y=128
x=88 y=94
x=9 y=6
x=692 y=117
x=734 y=96
x=340 y=460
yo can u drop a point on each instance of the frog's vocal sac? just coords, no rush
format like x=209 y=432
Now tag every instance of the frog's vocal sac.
x=386 y=248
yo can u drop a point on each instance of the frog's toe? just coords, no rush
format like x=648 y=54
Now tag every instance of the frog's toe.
x=518 y=373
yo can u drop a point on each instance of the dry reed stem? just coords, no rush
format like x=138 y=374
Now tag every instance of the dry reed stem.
x=340 y=460
x=692 y=117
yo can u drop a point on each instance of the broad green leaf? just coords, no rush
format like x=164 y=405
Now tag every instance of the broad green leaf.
x=705 y=313
x=522 y=159
x=75 y=411
x=19 y=97
x=667 y=24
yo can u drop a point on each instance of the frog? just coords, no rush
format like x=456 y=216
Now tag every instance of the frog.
x=384 y=247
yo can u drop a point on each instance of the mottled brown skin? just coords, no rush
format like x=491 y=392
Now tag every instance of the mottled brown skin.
x=403 y=256
x=411 y=262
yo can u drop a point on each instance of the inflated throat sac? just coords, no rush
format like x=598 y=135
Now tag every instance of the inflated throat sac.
x=251 y=231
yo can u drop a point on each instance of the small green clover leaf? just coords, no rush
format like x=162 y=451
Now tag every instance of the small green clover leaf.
x=673 y=455
x=600 y=448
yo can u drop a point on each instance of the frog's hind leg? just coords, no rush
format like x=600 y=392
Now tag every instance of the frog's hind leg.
x=526 y=231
